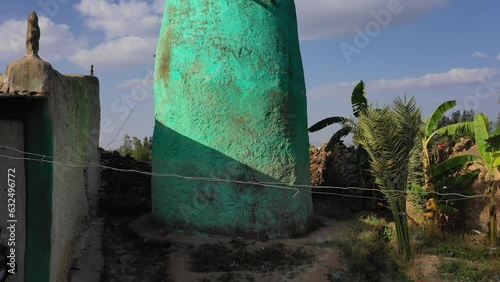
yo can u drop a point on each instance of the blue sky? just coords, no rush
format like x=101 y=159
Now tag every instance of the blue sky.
x=436 y=50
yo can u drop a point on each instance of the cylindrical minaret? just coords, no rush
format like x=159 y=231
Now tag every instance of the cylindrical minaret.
x=230 y=104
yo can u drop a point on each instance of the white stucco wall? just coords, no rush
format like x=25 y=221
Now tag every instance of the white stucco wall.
x=75 y=111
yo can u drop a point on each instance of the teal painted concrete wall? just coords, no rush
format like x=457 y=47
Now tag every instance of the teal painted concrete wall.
x=230 y=103
x=38 y=138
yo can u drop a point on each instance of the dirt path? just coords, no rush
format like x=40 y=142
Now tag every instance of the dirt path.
x=158 y=256
x=325 y=258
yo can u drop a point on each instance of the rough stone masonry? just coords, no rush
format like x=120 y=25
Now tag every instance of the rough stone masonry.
x=230 y=104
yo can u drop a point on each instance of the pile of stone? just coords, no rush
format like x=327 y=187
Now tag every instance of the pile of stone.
x=333 y=168
x=336 y=168
x=321 y=165
x=124 y=192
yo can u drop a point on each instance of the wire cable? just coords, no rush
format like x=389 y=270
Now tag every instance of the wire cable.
x=278 y=185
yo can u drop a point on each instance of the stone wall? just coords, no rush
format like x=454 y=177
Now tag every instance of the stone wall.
x=335 y=168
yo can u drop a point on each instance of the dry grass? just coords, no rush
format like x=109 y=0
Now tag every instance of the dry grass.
x=369 y=252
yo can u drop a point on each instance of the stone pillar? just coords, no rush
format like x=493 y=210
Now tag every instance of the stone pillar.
x=230 y=104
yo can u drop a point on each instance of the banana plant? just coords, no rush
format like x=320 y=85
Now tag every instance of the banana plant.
x=431 y=169
x=488 y=147
x=359 y=104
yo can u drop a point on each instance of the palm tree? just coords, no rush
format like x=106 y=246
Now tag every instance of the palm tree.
x=389 y=135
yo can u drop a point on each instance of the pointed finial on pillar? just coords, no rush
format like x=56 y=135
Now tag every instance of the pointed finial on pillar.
x=32 y=35
x=91 y=69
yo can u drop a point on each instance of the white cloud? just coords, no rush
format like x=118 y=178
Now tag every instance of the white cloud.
x=123 y=17
x=453 y=77
x=146 y=83
x=332 y=18
x=134 y=82
x=56 y=40
x=131 y=28
x=479 y=55
x=122 y=52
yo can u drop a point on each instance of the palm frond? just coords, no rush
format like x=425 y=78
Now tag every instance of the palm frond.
x=389 y=135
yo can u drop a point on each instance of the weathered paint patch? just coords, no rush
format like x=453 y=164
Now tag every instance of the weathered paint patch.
x=230 y=103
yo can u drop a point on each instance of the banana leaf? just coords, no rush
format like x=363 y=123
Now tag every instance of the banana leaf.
x=454 y=182
x=326 y=122
x=481 y=129
x=417 y=190
x=496 y=159
x=344 y=131
x=358 y=99
x=452 y=129
x=452 y=163
x=437 y=115
x=493 y=143
x=448 y=209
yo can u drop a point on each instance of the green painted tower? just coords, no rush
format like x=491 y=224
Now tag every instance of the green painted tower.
x=230 y=104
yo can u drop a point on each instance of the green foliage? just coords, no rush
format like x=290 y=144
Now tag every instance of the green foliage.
x=438 y=115
x=441 y=126
x=359 y=104
x=326 y=122
x=138 y=150
x=358 y=99
x=491 y=160
x=493 y=142
x=455 y=270
x=448 y=208
x=481 y=126
x=443 y=129
x=452 y=163
x=464 y=251
x=457 y=117
x=416 y=171
x=455 y=129
x=495 y=127
x=389 y=136
x=368 y=254
x=463 y=257
x=454 y=182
